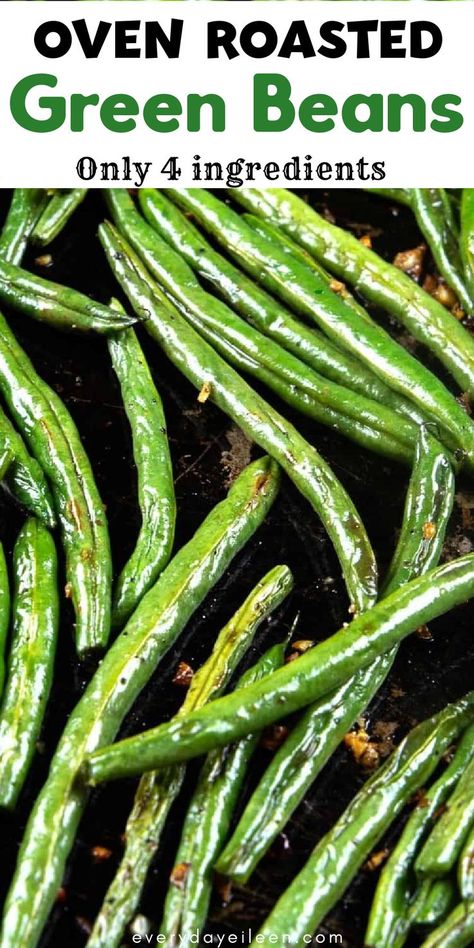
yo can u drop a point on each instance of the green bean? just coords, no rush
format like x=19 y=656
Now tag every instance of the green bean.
x=456 y=932
x=296 y=685
x=25 y=477
x=25 y=207
x=262 y=310
x=436 y=898
x=128 y=665
x=54 y=440
x=380 y=282
x=315 y=737
x=340 y=853
x=391 y=914
x=207 y=822
x=59 y=209
x=157 y=790
x=428 y=507
x=466 y=869
x=4 y=613
x=204 y=367
x=399 y=195
x=60 y=306
x=35 y=621
x=443 y=846
x=177 y=279
x=435 y=218
x=467 y=237
x=151 y=454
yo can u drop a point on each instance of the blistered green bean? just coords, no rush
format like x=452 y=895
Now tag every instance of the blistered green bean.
x=59 y=209
x=25 y=477
x=25 y=207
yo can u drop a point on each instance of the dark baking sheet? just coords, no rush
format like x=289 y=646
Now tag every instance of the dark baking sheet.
x=205 y=448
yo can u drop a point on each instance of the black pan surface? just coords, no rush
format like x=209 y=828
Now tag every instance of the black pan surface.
x=206 y=449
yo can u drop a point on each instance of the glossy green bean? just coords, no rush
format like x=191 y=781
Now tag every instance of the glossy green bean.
x=57 y=305
x=466 y=869
x=127 y=667
x=436 y=899
x=380 y=282
x=262 y=310
x=35 y=622
x=207 y=822
x=399 y=195
x=435 y=218
x=315 y=737
x=25 y=477
x=391 y=914
x=296 y=685
x=340 y=853
x=456 y=932
x=204 y=367
x=4 y=613
x=54 y=441
x=467 y=237
x=177 y=279
x=56 y=214
x=157 y=790
x=151 y=454
x=25 y=207
x=441 y=850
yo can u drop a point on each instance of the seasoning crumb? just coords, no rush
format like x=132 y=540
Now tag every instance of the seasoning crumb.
x=429 y=530
x=179 y=873
x=223 y=887
x=273 y=737
x=423 y=632
x=302 y=645
x=411 y=261
x=366 y=241
x=205 y=392
x=183 y=675
x=100 y=853
x=377 y=859
x=44 y=260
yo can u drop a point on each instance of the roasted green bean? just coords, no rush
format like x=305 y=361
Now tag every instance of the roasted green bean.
x=60 y=207
x=25 y=207
x=4 y=613
x=296 y=685
x=126 y=668
x=151 y=454
x=25 y=477
x=467 y=237
x=441 y=850
x=35 y=621
x=340 y=853
x=315 y=737
x=54 y=441
x=435 y=900
x=57 y=305
x=261 y=309
x=156 y=791
x=204 y=367
x=391 y=914
x=466 y=868
x=379 y=281
x=456 y=932
x=435 y=218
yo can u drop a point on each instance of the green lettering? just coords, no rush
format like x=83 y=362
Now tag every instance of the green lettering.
x=55 y=104
x=314 y=110
x=115 y=111
x=374 y=120
x=452 y=119
x=157 y=110
x=264 y=100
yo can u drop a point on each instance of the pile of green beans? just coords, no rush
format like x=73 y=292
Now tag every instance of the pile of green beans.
x=314 y=738
x=247 y=348
x=380 y=282
x=55 y=442
x=127 y=667
x=260 y=290
x=156 y=791
x=203 y=366
x=260 y=309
